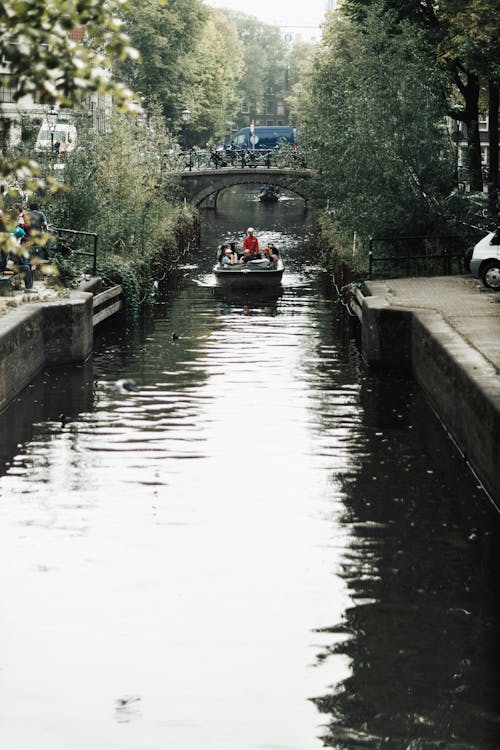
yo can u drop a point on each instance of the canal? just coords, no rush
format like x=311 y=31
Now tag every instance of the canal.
x=266 y=547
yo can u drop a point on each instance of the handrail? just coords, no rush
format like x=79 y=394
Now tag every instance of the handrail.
x=198 y=159
x=445 y=256
x=93 y=254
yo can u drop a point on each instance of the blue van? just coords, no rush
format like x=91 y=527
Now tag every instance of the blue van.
x=264 y=137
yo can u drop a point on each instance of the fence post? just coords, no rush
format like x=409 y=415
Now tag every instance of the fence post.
x=94 y=262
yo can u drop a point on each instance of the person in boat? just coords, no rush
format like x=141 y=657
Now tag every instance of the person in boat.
x=251 y=243
x=260 y=261
x=270 y=252
x=273 y=254
x=228 y=258
x=268 y=192
x=220 y=253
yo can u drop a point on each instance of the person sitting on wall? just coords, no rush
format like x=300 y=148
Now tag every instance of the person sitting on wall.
x=19 y=257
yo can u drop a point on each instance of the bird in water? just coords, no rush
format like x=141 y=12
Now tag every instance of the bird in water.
x=125 y=385
x=175 y=336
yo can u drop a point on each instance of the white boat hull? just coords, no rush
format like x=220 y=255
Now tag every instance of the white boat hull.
x=246 y=275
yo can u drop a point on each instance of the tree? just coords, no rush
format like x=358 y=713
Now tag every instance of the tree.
x=266 y=62
x=190 y=58
x=371 y=115
x=473 y=37
x=35 y=40
x=46 y=63
x=166 y=35
x=217 y=69
x=299 y=69
x=463 y=35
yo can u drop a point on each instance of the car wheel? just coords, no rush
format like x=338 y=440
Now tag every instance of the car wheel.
x=490 y=274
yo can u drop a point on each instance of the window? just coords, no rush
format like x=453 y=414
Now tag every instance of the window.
x=270 y=108
x=280 y=109
x=245 y=108
x=8 y=87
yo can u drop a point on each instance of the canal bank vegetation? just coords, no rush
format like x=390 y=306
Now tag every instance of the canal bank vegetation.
x=115 y=187
x=42 y=60
x=373 y=111
x=115 y=183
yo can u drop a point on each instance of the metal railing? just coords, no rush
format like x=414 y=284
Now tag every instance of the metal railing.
x=61 y=232
x=198 y=159
x=421 y=255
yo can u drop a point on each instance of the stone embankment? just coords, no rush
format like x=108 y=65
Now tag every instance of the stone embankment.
x=446 y=332
x=46 y=330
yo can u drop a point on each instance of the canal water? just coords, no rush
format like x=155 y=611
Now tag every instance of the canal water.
x=266 y=547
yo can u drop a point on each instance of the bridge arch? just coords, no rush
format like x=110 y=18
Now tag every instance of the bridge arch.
x=203 y=187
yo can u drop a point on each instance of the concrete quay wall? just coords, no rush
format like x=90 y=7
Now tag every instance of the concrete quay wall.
x=36 y=335
x=461 y=384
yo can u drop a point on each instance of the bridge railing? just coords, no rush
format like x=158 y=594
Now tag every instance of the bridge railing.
x=201 y=159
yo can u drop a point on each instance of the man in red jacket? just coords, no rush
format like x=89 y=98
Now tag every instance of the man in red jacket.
x=251 y=242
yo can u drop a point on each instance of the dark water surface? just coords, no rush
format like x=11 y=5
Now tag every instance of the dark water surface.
x=267 y=547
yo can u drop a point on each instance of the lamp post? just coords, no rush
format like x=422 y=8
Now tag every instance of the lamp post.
x=186 y=116
x=52 y=118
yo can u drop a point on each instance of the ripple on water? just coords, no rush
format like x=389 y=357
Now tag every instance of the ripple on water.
x=264 y=546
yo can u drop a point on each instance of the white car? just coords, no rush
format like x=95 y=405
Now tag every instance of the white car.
x=485 y=260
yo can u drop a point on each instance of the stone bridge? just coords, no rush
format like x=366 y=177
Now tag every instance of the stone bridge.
x=203 y=186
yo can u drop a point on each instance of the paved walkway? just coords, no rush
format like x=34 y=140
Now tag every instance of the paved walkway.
x=43 y=293
x=469 y=308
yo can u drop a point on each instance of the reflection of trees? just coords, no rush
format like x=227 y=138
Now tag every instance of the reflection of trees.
x=57 y=395
x=422 y=570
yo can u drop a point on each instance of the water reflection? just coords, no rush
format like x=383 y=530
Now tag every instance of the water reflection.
x=265 y=545
x=44 y=410
x=422 y=633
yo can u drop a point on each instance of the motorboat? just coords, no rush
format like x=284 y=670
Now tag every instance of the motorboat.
x=269 y=195
x=258 y=273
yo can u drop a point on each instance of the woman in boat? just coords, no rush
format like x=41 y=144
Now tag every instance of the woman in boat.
x=236 y=255
x=273 y=254
x=220 y=253
x=270 y=252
